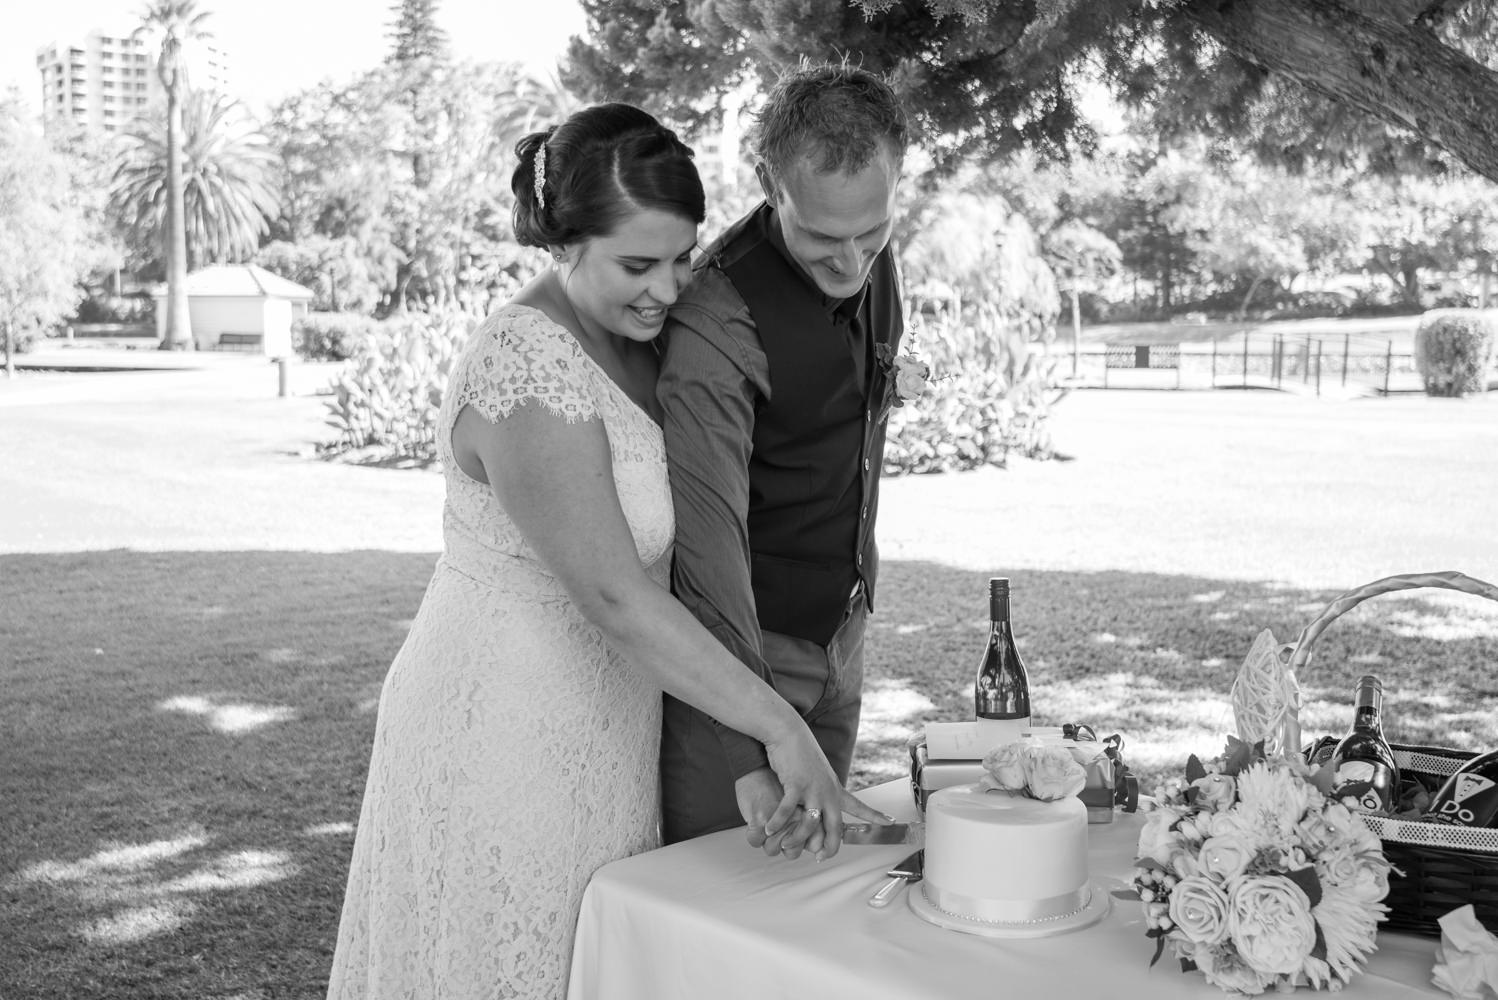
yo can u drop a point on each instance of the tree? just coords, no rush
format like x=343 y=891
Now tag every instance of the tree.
x=428 y=234
x=416 y=35
x=229 y=189
x=1413 y=226
x=174 y=24
x=990 y=78
x=46 y=245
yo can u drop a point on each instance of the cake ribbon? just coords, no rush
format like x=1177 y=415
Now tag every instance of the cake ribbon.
x=1006 y=911
x=1467 y=957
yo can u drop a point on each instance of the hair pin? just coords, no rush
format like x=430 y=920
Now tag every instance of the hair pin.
x=540 y=171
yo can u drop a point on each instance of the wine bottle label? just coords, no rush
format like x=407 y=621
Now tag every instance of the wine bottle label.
x=1473 y=801
x=1368 y=783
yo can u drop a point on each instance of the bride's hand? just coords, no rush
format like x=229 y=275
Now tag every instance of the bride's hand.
x=812 y=803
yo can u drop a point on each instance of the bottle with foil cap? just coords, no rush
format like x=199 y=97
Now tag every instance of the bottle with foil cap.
x=1364 y=771
x=1001 y=690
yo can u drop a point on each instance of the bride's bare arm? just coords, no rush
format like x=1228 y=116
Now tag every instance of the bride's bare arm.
x=555 y=481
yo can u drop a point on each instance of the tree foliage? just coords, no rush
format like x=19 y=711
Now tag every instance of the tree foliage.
x=48 y=245
x=989 y=78
x=416 y=35
x=229 y=177
x=413 y=206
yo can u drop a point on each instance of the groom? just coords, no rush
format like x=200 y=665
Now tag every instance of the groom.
x=774 y=422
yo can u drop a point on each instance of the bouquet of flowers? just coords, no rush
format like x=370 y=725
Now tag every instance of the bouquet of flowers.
x=1254 y=876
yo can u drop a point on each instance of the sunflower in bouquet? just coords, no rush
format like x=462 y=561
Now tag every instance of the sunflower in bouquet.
x=1252 y=875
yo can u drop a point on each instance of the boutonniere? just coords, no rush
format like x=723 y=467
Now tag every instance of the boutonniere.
x=909 y=375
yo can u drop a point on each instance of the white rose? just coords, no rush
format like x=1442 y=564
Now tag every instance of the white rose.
x=1156 y=839
x=1270 y=923
x=910 y=377
x=1226 y=857
x=1052 y=774
x=1006 y=766
x=1200 y=910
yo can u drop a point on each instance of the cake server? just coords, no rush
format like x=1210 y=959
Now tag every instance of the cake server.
x=909 y=870
x=913 y=834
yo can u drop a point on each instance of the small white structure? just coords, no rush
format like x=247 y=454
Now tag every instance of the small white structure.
x=239 y=307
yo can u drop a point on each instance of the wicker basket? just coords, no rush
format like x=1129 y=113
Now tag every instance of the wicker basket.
x=1440 y=866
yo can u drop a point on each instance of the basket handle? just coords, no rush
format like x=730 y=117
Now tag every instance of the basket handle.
x=1300 y=653
x=1449 y=580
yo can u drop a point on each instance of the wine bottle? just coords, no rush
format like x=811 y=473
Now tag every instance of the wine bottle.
x=1001 y=692
x=1363 y=766
x=1470 y=796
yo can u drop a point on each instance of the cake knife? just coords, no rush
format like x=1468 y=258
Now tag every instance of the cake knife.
x=913 y=834
x=909 y=870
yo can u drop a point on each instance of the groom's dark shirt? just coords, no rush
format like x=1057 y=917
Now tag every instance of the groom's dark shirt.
x=775 y=496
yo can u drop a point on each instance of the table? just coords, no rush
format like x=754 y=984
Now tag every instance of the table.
x=713 y=918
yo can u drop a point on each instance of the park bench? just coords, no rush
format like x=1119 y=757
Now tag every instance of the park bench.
x=1153 y=357
x=239 y=342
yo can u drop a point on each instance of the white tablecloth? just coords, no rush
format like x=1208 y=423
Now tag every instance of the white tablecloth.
x=713 y=918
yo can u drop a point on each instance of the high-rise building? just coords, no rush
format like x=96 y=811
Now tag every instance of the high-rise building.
x=103 y=82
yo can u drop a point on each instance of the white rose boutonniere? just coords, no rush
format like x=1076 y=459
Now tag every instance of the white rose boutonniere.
x=906 y=374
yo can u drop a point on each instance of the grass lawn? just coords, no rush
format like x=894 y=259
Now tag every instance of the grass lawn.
x=195 y=619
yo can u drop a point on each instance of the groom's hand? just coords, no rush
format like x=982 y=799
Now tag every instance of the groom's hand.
x=759 y=794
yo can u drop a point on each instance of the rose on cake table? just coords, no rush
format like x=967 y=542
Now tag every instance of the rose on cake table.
x=1048 y=773
x=1253 y=876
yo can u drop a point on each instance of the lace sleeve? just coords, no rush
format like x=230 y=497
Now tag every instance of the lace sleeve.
x=520 y=355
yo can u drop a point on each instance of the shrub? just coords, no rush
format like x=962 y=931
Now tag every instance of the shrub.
x=328 y=336
x=385 y=404
x=991 y=394
x=984 y=305
x=1452 y=350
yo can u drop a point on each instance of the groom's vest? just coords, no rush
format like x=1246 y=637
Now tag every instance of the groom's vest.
x=819 y=438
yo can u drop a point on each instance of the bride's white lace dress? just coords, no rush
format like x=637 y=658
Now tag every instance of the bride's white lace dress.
x=513 y=754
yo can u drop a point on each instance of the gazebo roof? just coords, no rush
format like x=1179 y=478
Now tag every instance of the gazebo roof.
x=247 y=281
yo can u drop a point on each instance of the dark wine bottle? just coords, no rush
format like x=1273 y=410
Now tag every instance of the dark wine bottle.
x=1470 y=796
x=1001 y=692
x=1363 y=766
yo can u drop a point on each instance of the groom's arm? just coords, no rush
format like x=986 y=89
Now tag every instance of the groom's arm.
x=713 y=373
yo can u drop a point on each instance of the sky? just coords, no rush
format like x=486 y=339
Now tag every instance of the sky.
x=278 y=47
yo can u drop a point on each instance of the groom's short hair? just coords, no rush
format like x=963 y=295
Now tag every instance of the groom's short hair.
x=834 y=114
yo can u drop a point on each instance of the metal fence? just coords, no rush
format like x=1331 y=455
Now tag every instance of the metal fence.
x=1319 y=365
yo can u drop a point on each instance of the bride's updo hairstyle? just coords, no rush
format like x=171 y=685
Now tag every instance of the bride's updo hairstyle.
x=600 y=165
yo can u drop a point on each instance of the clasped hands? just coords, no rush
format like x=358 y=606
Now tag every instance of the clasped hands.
x=778 y=824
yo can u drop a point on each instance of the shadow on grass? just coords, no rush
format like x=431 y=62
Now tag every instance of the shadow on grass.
x=185 y=734
x=1154 y=656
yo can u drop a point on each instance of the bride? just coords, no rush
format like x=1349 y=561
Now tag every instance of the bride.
x=516 y=745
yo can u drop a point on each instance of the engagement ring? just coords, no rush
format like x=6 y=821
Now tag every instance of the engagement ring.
x=815 y=814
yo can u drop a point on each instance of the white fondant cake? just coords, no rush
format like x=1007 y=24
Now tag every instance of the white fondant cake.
x=1003 y=857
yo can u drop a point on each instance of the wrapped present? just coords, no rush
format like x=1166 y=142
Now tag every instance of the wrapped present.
x=1110 y=783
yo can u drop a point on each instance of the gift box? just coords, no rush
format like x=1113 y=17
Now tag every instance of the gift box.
x=1110 y=784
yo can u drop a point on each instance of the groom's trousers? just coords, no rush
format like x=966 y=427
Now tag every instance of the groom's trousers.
x=823 y=683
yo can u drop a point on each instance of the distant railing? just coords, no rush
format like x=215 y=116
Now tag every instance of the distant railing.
x=1300 y=363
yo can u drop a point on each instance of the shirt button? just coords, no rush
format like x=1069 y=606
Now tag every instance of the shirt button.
x=868 y=416
x=865 y=513
x=866 y=465
x=859 y=559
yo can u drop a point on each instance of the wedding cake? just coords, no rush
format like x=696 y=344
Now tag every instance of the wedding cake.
x=1001 y=857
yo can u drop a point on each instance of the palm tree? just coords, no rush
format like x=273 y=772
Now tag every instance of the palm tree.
x=228 y=173
x=174 y=23
x=537 y=99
